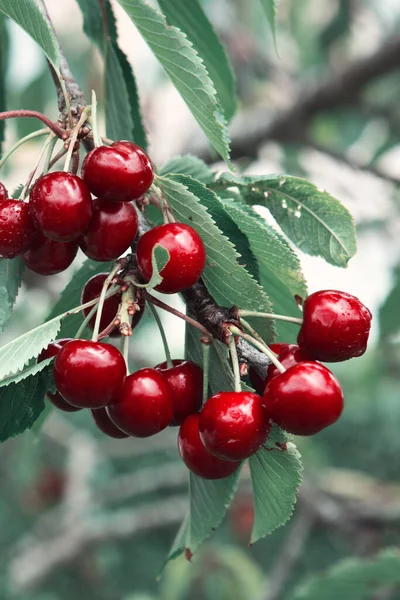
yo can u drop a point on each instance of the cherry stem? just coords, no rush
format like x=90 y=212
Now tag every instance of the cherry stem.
x=235 y=363
x=177 y=313
x=62 y=152
x=206 y=368
x=106 y=140
x=170 y=364
x=74 y=137
x=50 y=150
x=124 y=315
x=95 y=131
x=22 y=141
x=250 y=313
x=101 y=300
x=125 y=339
x=264 y=349
x=46 y=144
x=253 y=332
x=34 y=114
x=113 y=290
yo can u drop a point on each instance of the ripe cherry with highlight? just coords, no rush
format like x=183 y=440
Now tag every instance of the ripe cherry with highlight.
x=196 y=457
x=89 y=374
x=234 y=425
x=118 y=173
x=187 y=256
x=305 y=399
x=16 y=228
x=104 y=423
x=186 y=381
x=47 y=257
x=335 y=326
x=145 y=404
x=288 y=355
x=52 y=350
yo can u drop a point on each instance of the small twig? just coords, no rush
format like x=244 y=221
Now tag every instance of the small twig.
x=163 y=336
x=206 y=367
x=235 y=363
x=177 y=313
x=27 y=185
x=264 y=349
x=101 y=300
x=250 y=313
x=71 y=148
x=33 y=114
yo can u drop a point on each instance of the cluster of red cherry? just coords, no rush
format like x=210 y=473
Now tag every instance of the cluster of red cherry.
x=299 y=394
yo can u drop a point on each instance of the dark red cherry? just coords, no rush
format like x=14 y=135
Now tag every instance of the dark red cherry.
x=335 y=326
x=288 y=355
x=89 y=374
x=92 y=290
x=234 y=425
x=305 y=399
x=61 y=206
x=3 y=192
x=111 y=231
x=56 y=399
x=145 y=404
x=104 y=423
x=118 y=173
x=16 y=228
x=186 y=381
x=48 y=257
x=196 y=457
x=187 y=256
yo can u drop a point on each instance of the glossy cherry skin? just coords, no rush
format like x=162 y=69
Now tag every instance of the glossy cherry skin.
x=52 y=350
x=111 y=231
x=186 y=381
x=234 y=425
x=89 y=374
x=61 y=206
x=118 y=173
x=104 y=423
x=92 y=290
x=187 y=256
x=3 y=192
x=335 y=326
x=144 y=406
x=288 y=355
x=47 y=257
x=16 y=228
x=305 y=399
x=196 y=457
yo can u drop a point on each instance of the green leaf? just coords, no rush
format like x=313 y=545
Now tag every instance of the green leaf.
x=191 y=19
x=21 y=404
x=188 y=165
x=36 y=368
x=280 y=269
x=315 y=221
x=209 y=501
x=3 y=71
x=271 y=10
x=354 y=579
x=227 y=281
x=159 y=258
x=27 y=15
x=17 y=353
x=123 y=114
x=71 y=296
x=123 y=117
x=275 y=473
x=185 y=69
x=389 y=312
x=11 y=271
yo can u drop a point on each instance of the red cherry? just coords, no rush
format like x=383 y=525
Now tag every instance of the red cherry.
x=16 y=228
x=61 y=206
x=145 y=404
x=111 y=231
x=288 y=355
x=48 y=257
x=89 y=374
x=234 y=425
x=196 y=457
x=92 y=290
x=56 y=399
x=186 y=381
x=335 y=326
x=104 y=423
x=118 y=173
x=3 y=192
x=187 y=256
x=305 y=399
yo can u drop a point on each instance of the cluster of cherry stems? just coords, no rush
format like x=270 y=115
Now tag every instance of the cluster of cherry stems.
x=298 y=393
